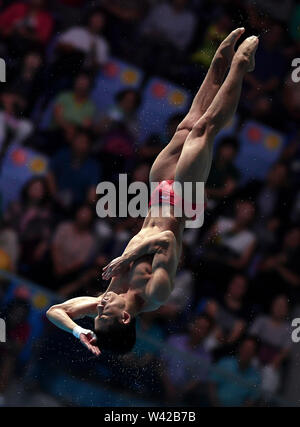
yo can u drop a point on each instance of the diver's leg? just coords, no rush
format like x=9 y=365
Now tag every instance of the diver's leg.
x=214 y=78
x=194 y=163
x=165 y=163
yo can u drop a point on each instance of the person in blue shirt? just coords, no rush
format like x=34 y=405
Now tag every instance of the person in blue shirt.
x=235 y=381
x=73 y=172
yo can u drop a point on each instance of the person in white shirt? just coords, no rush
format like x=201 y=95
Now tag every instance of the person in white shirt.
x=171 y=22
x=231 y=241
x=87 y=40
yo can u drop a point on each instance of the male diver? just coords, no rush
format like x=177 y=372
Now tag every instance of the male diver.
x=142 y=277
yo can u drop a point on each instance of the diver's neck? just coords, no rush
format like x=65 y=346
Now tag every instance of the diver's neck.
x=134 y=302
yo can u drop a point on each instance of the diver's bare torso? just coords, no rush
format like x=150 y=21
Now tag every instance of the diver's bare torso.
x=140 y=271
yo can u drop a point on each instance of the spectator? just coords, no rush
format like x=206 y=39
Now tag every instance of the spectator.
x=129 y=11
x=279 y=270
x=9 y=247
x=124 y=19
x=188 y=375
x=224 y=176
x=71 y=11
x=230 y=242
x=235 y=380
x=267 y=232
x=123 y=232
x=230 y=311
x=73 y=173
x=271 y=64
x=27 y=82
x=171 y=22
x=273 y=197
x=215 y=33
x=290 y=156
x=75 y=108
x=274 y=333
x=18 y=331
x=291 y=102
x=277 y=11
x=72 y=246
x=88 y=283
x=123 y=112
x=26 y=24
x=14 y=129
x=262 y=111
x=83 y=46
x=32 y=217
x=165 y=35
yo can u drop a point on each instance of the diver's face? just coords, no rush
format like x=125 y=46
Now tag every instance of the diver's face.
x=111 y=307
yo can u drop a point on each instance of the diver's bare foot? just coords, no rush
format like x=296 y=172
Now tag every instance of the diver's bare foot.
x=245 y=54
x=225 y=51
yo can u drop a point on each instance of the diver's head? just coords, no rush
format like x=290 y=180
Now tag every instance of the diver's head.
x=114 y=326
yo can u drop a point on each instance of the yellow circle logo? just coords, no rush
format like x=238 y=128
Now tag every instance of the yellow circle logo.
x=40 y=301
x=38 y=165
x=129 y=77
x=177 y=98
x=272 y=142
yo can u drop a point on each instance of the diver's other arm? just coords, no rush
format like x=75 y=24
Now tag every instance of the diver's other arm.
x=151 y=245
x=63 y=316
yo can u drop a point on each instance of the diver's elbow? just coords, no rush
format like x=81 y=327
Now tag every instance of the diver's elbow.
x=50 y=311
x=169 y=237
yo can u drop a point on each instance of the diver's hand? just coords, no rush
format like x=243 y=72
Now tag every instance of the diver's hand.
x=87 y=338
x=117 y=266
x=89 y=341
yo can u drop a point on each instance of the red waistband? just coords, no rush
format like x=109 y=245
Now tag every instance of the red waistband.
x=164 y=194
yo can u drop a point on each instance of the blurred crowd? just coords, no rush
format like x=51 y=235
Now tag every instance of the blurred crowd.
x=239 y=275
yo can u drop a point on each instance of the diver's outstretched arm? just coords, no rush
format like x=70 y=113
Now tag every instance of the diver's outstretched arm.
x=63 y=316
x=160 y=242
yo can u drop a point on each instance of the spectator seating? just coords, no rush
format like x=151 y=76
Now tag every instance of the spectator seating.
x=39 y=300
x=114 y=77
x=162 y=100
x=19 y=166
x=260 y=148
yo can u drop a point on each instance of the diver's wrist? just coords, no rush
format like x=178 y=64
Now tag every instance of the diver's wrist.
x=78 y=330
x=128 y=257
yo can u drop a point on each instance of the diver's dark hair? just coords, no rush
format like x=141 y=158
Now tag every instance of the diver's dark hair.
x=117 y=337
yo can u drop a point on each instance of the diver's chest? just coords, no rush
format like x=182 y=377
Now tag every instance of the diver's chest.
x=141 y=271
